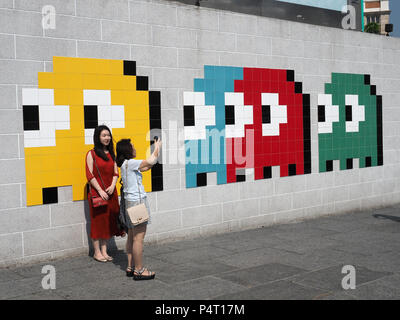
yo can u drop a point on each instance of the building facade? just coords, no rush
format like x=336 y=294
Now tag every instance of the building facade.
x=377 y=11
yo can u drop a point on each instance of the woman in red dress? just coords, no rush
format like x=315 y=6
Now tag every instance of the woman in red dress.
x=103 y=179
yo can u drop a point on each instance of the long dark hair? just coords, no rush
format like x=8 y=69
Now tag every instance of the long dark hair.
x=98 y=146
x=124 y=151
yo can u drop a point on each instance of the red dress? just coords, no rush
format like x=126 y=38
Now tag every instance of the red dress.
x=103 y=219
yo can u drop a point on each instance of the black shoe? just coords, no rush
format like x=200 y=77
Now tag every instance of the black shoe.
x=138 y=275
x=129 y=272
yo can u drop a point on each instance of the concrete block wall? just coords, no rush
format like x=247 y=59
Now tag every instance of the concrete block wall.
x=171 y=43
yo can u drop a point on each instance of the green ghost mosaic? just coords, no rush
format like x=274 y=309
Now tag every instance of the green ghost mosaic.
x=349 y=123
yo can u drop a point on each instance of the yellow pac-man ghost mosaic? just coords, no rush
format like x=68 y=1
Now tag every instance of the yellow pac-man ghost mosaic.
x=61 y=114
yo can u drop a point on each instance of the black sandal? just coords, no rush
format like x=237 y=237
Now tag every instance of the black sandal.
x=129 y=272
x=140 y=276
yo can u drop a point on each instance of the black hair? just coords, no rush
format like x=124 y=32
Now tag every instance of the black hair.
x=99 y=147
x=124 y=151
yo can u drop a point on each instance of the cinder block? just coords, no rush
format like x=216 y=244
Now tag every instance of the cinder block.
x=11 y=121
x=220 y=228
x=240 y=209
x=7 y=48
x=303 y=31
x=253 y=44
x=290 y=184
x=173 y=200
x=54 y=239
x=289 y=216
x=238 y=59
x=6 y=4
x=11 y=246
x=334 y=194
x=75 y=28
x=12 y=198
x=265 y=220
x=21 y=146
x=290 y=48
x=164 y=221
x=174 y=37
x=155 y=56
x=91 y=49
x=369 y=203
x=256 y=189
x=275 y=204
x=219 y=193
x=319 y=211
x=175 y=78
x=21 y=22
x=347 y=206
x=275 y=62
x=237 y=23
x=122 y=32
x=203 y=18
x=344 y=177
x=64 y=194
x=188 y=58
x=153 y=13
x=170 y=98
x=61 y=6
x=69 y=213
x=360 y=190
x=10 y=147
x=307 y=199
x=8 y=97
x=24 y=219
x=203 y=215
x=12 y=171
x=43 y=49
x=19 y=72
x=172 y=180
x=318 y=50
x=319 y=180
x=103 y=9
x=331 y=35
x=272 y=27
x=207 y=40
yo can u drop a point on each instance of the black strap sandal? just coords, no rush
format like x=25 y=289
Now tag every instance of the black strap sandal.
x=140 y=276
x=129 y=272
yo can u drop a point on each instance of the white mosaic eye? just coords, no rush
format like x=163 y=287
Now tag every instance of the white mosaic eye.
x=42 y=118
x=273 y=114
x=354 y=113
x=327 y=113
x=237 y=115
x=197 y=116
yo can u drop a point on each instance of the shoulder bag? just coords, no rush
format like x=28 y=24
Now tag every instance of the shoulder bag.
x=138 y=213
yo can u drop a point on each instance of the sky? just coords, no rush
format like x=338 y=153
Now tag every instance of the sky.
x=395 y=17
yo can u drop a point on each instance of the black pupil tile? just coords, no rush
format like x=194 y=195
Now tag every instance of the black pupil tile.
x=349 y=163
x=290 y=75
x=201 y=179
x=292 y=169
x=91 y=117
x=267 y=172
x=240 y=178
x=31 y=117
x=266 y=114
x=50 y=195
x=321 y=114
x=349 y=113
x=188 y=115
x=329 y=165
x=229 y=114
x=368 y=161
x=298 y=87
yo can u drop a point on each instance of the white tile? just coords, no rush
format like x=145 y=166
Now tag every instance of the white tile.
x=104 y=114
x=30 y=97
x=89 y=136
x=188 y=98
x=62 y=118
x=199 y=98
x=97 y=97
x=46 y=97
x=46 y=114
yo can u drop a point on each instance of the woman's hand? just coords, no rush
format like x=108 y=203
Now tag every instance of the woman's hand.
x=110 y=190
x=103 y=195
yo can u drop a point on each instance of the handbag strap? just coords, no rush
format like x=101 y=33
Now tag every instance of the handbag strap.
x=98 y=171
x=126 y=179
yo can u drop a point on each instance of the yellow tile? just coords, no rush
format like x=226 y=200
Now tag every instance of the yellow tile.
x=34 y=196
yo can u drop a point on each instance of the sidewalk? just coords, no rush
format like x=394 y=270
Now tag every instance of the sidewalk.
x=292 y=261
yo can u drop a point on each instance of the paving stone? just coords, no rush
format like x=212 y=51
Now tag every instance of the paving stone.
x=255 y=276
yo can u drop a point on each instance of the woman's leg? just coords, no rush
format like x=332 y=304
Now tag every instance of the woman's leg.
x=97 y=252
x=129 y=245
x=103 y=248
x=138 y=239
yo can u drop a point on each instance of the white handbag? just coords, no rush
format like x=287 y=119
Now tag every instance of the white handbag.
x=138 y=213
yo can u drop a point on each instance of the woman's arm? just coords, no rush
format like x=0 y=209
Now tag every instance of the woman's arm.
x=152 y=160
x=110 y=189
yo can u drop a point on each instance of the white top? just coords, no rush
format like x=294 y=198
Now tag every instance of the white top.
x=134 y=177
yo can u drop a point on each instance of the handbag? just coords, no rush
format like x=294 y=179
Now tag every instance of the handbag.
x=96 y=200
x=138 y=213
